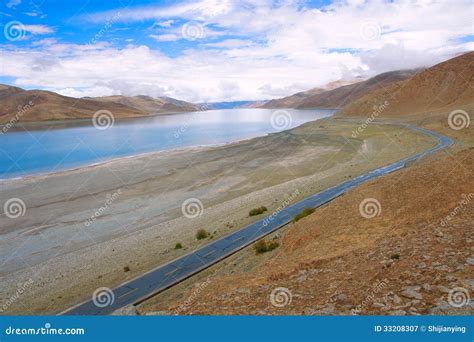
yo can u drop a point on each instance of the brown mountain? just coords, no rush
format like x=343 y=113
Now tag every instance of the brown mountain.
x=337 y=94
x=448 y=85
x=17 y=104
x=149 y=104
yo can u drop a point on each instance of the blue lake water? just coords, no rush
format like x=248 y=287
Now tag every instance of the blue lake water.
x=54 y=148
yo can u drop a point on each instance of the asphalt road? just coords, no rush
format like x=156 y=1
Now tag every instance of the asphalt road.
x=165 y=276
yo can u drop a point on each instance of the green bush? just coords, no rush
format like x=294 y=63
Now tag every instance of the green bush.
x=263 y=246
x=257 y=211
x=304 y=213
x=178 y=246
x=201 y=234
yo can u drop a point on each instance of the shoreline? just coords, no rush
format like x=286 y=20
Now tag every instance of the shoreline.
x=43 y=174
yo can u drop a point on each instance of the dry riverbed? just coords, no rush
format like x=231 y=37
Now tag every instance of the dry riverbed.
x=101 y=225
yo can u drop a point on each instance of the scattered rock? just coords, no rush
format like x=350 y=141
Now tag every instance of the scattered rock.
x=470 y=261
x=443 y=289
x=128 y=310
x=341 y=299
x=412 y=292
x=426 y=287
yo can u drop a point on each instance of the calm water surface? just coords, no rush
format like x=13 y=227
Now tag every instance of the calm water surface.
x=53 y=149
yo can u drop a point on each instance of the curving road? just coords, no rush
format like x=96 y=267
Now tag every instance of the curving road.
x=165 y=276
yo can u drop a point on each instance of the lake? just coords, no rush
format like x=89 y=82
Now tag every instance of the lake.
x=53 y=148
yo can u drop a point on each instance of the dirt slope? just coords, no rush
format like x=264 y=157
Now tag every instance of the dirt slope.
x=149 y=104
x=335 y=261
x=38 y=105
x=445 y=86
x=339 y=94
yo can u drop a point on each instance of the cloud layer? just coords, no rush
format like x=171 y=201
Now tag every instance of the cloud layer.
x=235 y=50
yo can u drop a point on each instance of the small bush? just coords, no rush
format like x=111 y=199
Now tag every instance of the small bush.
x=263 y=246
x=304 y=213
x=257 y=211
x=126 y=269
x=201 y=234
x=178 y=246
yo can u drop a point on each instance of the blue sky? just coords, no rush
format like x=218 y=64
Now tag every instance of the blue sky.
x=209 y=50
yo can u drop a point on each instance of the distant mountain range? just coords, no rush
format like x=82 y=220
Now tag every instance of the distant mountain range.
x=447 y=84
x=39 y=105
x=231 y=104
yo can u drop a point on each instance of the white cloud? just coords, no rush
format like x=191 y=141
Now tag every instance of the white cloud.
x=169 y=37
x=38 y=29
x=13 y=3
x=250 y=50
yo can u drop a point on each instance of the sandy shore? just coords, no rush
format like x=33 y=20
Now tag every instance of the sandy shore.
x=82 y=228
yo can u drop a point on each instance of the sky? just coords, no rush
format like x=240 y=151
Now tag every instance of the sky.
x=221 y=50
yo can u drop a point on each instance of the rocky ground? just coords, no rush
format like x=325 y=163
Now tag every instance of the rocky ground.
x=408 y=259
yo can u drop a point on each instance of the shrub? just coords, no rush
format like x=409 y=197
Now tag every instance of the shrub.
x=263 y=246
x=304 y=213
x=257 y=211
x=178 y=246
x=201 y=234
x=126 y=269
